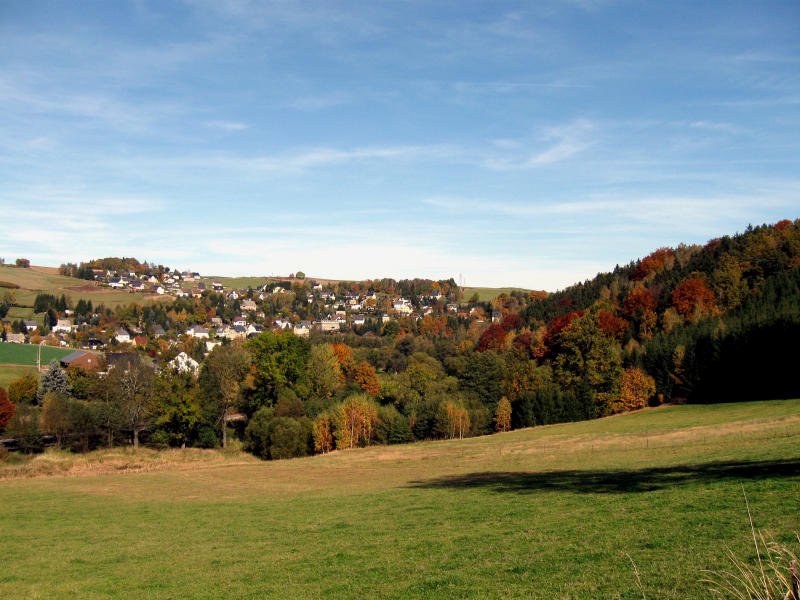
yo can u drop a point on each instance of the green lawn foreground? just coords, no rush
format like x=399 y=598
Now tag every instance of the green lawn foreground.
x=550 y=512
x=26 y=354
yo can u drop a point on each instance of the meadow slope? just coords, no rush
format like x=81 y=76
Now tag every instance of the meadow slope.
x=551 y=512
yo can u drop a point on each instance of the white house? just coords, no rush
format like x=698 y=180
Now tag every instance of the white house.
x=197 y=332
x=63 y=325
x=122 y=336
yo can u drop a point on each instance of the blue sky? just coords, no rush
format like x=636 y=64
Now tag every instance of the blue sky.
x=512 y=143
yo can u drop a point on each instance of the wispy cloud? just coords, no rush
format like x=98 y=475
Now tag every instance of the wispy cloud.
x=227 y=125
x=563 y=142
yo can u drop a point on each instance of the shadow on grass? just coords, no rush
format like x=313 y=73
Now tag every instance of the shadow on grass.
x=616 y=481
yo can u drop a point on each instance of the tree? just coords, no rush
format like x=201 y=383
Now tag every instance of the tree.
x=322 y=431
x=584 y=354
x=692 y=298
x=324 y=373
x=222 y=379
x=636 y=388
x=356 y=419
x=134 y=389
x=23 y=263
x=502 y=417
x=280 y=361
x=178 y=406
x=7 y=409
x=23 y=390
x=24 y=427
x=457 y=420
x=364 y=376
x=54 y=380
x=300 y=275
x=54 y=417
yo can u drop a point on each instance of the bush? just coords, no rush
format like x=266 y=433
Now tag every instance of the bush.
x=275 y=437
x=207 y=437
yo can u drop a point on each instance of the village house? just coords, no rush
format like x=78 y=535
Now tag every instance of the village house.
x=80 y=359
x=249 y=305
x=197 y=331
x=63 y=325
x=122 y=336
x=303 y=328
x=15 y=338
x=31 y=325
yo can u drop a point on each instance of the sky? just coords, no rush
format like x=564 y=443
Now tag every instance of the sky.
x=529 y=144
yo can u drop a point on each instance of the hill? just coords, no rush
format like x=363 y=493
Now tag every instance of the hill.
x=37 y=280
x=551 y=512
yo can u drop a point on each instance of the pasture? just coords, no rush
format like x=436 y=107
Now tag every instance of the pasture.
x=562 y=511
x=37 y=280
x=487 y=294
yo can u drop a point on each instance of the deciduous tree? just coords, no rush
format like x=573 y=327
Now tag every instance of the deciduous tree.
x=502 y=416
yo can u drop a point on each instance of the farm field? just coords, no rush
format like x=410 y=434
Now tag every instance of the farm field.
x=26 y=354
x=553 y=512
x=18 y=359
x=487 y=294
x=37 y=280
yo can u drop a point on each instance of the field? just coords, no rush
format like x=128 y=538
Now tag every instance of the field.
x=9 y=373
x=553 y=512
x=487 y=294
x=45 y=279
x=26 y=354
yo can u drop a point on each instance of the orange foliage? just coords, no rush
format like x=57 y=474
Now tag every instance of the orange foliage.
x=693 y=295
x=636 y=388
x=502 y=418
x=653 y=263
x=345 y=357
x=639 y=300
x=365 y=377
x=612 y=325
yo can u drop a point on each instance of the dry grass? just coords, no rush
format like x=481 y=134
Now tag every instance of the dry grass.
x=61 y=463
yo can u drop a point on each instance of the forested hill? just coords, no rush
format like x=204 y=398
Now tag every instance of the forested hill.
x=713 y=322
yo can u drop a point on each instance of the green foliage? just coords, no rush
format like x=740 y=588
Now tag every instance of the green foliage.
x=24 y=427
x=280 y=361
x=275 y=437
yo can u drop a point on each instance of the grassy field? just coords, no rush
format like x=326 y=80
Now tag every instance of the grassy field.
x=9 y=373
x=43 y=279
x=18 y=359
x=26 y=354
x=487 y=294
x=552 y=512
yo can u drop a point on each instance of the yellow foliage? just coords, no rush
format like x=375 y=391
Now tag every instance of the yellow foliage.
x=636 y=388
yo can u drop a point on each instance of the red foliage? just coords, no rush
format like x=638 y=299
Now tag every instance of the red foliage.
x=524 y=341
x=7 y=408
x=510 y=322
x=781 y=225
x=639 y=300
x=653 y=263
x=692 y=294
x=565 y=301
x=611 y=324
x=493 y=338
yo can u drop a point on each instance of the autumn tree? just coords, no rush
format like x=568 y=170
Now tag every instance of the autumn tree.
x=23 y=390
x=636 y=388
x=322 y=430
x=458 y=421
x=502 y=417
x=693 y=298
x=7 y=409
x=365 y=377
x=280 y=360
x=356 y=419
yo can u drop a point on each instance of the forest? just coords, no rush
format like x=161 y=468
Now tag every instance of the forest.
x=700 y=324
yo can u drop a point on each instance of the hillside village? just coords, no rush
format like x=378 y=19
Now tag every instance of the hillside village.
x=172 y=308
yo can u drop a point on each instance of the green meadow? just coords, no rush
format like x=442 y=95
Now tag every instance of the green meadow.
x=577 y=510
